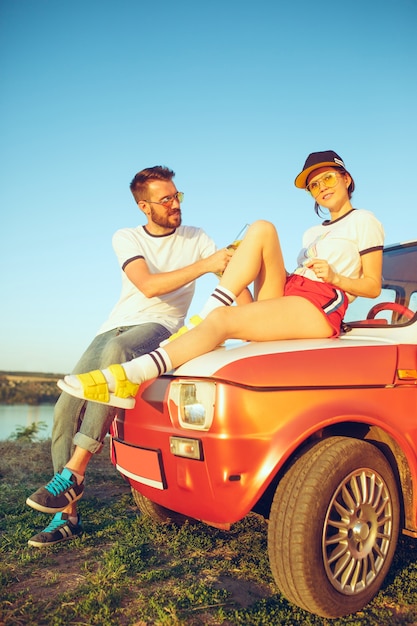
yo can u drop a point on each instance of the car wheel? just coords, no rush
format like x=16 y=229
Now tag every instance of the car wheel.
x=333 y=527
x=156 y=512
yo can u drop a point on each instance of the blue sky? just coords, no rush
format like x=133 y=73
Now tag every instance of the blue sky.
x=232 y=95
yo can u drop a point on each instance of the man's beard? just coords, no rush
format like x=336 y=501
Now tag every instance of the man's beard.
x=172 y=220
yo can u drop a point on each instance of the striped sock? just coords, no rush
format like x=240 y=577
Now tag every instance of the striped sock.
x=148 y=366
x=220 y=297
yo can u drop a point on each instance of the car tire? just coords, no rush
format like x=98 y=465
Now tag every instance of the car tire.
x=156 y=512
x=333 y=527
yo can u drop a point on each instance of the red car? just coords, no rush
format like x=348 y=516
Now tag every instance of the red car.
x=319 y=435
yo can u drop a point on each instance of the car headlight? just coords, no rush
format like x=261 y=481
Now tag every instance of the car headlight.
x=192 y=403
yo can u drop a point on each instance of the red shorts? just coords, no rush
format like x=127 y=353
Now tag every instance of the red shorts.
x=330 y=301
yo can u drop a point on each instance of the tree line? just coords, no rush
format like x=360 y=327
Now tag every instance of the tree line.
x=28 y=388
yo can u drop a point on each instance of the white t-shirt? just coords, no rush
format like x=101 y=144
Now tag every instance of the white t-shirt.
x=166 y=253
x=341 y=243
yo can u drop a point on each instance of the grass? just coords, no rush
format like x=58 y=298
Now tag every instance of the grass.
x=127 y=571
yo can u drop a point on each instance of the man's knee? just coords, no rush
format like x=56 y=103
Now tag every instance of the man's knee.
x=114 y=352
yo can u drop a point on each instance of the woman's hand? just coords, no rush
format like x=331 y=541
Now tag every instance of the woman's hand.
x=322 y=270
x=367 y=285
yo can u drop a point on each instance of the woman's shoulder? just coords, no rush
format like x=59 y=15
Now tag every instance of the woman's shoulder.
x=369 y=227
x=363 y=214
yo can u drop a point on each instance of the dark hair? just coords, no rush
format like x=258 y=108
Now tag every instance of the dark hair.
x=139 y=185
x=351 y=188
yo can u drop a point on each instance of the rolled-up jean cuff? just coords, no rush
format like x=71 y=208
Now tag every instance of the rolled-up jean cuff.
x=87 y=443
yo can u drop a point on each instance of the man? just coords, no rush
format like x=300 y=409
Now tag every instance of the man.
x=160 y=263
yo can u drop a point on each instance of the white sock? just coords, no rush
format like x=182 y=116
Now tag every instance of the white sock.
x=220 y=297
x=143 y=367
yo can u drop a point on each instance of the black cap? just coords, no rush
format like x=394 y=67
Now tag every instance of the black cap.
x=316 y=160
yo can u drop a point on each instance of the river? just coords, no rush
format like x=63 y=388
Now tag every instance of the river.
x=23 y=415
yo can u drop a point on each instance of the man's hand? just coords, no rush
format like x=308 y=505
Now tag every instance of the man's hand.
x=218 y=261
x=152 y=285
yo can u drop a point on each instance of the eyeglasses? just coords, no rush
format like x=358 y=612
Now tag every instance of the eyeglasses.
x=168 y=200
x=329 y=179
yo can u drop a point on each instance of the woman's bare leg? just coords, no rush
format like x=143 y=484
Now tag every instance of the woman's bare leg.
x=257 y=260
x=289 y=317
x=273 y=317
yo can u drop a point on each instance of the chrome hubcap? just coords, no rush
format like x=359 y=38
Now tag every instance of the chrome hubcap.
x=357 y=531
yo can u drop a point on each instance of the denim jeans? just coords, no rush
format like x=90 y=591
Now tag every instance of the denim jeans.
x=85 y=424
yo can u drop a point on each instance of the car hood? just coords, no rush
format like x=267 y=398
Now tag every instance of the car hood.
x=345 y=361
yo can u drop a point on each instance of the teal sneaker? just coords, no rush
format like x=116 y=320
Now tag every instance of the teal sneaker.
x=60 y=529
x=61 y=491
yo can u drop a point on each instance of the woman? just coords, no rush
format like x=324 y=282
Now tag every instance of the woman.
x=340 y=259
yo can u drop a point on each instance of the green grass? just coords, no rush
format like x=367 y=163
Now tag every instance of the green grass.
x=127 y=571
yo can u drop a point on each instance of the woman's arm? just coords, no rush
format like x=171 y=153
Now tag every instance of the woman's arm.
x=368 y=285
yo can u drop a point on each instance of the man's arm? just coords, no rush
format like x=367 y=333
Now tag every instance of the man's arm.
x=158 y=284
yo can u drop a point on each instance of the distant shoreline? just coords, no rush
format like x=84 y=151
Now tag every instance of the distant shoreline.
x=26 y=375
x=28 y=388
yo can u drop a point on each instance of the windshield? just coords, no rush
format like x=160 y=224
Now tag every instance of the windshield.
x=399 y=288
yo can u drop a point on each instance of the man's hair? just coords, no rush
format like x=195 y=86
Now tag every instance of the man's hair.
x=139 y=185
